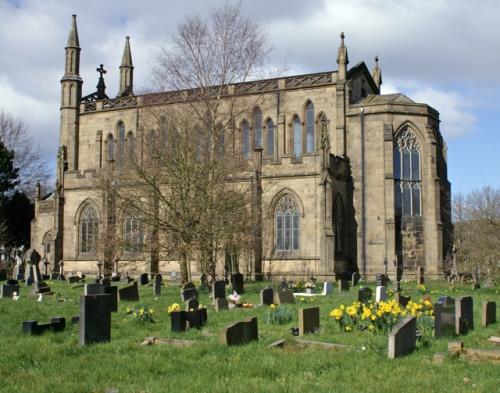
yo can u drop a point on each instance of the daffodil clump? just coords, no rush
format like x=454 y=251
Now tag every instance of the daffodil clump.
x=278 y=315
x=381 y=316
x=173 y=308
x=422 y=289
x=141 y=313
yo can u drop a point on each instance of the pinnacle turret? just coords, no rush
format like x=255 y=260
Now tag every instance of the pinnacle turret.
x=377 y=74
x=73 y=41
x=126 y=71
x=342 y=58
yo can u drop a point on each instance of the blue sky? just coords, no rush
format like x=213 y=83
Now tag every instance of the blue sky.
x=442 y=52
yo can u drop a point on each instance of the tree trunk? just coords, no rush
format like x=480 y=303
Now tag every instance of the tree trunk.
x=183 y=267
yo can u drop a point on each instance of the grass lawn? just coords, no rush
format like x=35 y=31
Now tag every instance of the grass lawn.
x=54 y=362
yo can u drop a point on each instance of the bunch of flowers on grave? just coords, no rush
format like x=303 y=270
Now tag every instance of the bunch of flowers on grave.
x=278 y=315
x=296 y=286
x=174 y=307
x=234 y=297
x=141 y=313
x=247 y=305
x=310 y=285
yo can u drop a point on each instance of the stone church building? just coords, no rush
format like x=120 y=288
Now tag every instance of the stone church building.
x=352 y=180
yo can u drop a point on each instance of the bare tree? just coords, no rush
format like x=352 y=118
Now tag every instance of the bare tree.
x=33 y=166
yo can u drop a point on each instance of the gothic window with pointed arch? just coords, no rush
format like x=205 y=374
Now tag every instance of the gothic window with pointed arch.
x=110 y=144
x=245 y=140
x=257 y=126
x=310 y=127
x=287 y=224
x=130 y=147
x=407 y=180
x=89 y=231
x=297 y=137
x=270 y=138
x=338 y=224
x=133 y=234
x=121 y=143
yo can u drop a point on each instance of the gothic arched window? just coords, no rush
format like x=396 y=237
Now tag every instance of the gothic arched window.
x=110 y=144
x=130 y=147
x=121 y=143
x=133 y=234
x=245 y=140
x=309 y=127
x=270 y=138
x=287 y=224
x=257 y=126
x=89 y=231
x=297 y=137
x=338 y=224
x=407 y=184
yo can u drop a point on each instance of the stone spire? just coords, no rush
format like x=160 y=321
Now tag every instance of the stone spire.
x=73 y=50
x=73 y=41
x=377 y=74
x=126 y=71
x=342 y=58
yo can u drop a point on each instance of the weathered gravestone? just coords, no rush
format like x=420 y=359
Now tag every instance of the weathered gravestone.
x=444 y=317
x=32 y=259
x=95 y=319
x=196 y=318
x=56 y=324
x=105 y=282
x=284 y=296
x=7 y=290
x=327 y=288
x=189 y=291
x=221 y=304
x=355 y=279
x=365 y=295
x=267 y=296
x=240 y=332
x=308 y=320
x=157 y=285
x=144 y=279
x=420 y=275
x=178 y=321
x=41 y=287
x=73 y=279
x=401 y=299
x=93 y=289
x=130 y=293
x=403 y=338
x=342 y=285
x=464 y=315
x=381 y=280
x=489 y=313
x=218 y=290
x=112 y=290
x=380 y=294
x=192 y=304
x=237 y=282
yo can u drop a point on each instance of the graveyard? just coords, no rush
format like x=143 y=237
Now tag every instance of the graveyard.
x=210 y=344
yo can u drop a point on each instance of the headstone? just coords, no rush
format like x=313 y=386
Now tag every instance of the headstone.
x=380 y=294
x=56 y=324
x=284 y=296
x=178 y=321
x=240 y=332
x=237 y=283
x=401 y=299
x=355 y=279
x=157 y=285
x=203 y=282
x=190 y=293
x=95 y=319
x=126 y=279
x=93 y=289
x=342 y=285
x=420 y=275
x=464 y=315
x=7 y=290
x=192 y=304
x=3 y=275
x=221 y=304
x=218 y=290
x=444 y=317
x=267 y=296
x=196 y=318
x=489 y=313
x=381 y=280
x=144 y=279
x=365 y=295
x=130 y=293
x=73 y=279
x=41 y=287
x=105 y=282
x=327 y=288
x=403 y=338
x=112 y=290
x=308 y=320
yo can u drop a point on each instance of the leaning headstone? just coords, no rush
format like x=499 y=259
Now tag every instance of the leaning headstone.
x=308 y=320
x=157 y=285
x=218 y=290
x=420 y=275
x=7 y=290
x=365 y=295
x=95 y=319
x=342 y=285
x=380 y=294
x=489 y=313
x=444 y=317
x=56 y=324
x=93 y=289
x=112 y=290
x=130 y=293
x=144 y=279
x=237 y=283
x=192 y=304
x=240 y=332
x=401 y=299
x=327 y=288
x=403 y=338
x=284 y=296
x=221 y=304
x=464 y=315
x=267 y=296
